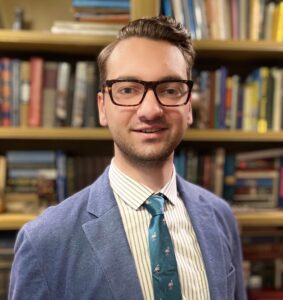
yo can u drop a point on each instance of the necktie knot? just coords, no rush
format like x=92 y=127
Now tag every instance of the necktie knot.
x=155 y=204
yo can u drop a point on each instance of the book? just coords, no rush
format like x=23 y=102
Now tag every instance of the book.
x=90 y=116
x=49 y=94
x=2 y=181
x=22 y=202
x=259 y=154
x=263 y=91
x=178 y=11
x=35 y=103
x=277 y=102
x=102 y=3
x=89 y=28
x=80 y=94
x=6 y=91
x=62 y=93
x=15 y=86
x=268 y=18
x=24 y=92
x=61 y=180
x=30 y=156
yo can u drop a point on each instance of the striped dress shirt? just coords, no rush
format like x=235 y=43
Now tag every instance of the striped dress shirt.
x=130 y=195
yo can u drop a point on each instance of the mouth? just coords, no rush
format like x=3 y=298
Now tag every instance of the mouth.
x=150 y=130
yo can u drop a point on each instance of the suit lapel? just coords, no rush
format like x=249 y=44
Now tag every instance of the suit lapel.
x=209 y=238
x=107 y=237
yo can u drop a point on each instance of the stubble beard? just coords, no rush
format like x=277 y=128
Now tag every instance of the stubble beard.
x=149 y=157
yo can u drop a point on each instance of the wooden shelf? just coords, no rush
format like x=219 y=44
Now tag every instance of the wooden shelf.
x=45 y=41
x=14 y=221
x=208 y=135
x=238 y=50
x=260 y=218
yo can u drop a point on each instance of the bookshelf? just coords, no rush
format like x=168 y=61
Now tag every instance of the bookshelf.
x=241 y=55
x=229 y=51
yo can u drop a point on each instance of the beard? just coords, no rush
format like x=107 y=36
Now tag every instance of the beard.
x=151 y=155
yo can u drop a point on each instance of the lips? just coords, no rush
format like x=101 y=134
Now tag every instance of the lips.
x=150 y=130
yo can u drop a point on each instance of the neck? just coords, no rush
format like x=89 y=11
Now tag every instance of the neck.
x=151 y=174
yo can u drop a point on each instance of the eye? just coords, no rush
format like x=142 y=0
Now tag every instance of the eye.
x=127 y=88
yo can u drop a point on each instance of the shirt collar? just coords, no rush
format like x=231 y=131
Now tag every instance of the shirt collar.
x=134 y=193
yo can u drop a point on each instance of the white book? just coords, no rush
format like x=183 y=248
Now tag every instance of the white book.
x=277 y=100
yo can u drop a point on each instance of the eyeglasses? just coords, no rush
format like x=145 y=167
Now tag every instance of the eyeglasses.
x=132 y=92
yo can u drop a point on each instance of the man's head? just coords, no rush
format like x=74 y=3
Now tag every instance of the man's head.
x=146 y=91
x=156 y=28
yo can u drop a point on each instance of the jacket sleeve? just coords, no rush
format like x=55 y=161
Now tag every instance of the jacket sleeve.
x=27 y=280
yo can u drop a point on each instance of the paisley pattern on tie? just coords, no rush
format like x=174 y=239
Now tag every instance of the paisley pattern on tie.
x=165 y=276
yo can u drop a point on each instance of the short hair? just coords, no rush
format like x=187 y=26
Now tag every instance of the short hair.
x=160 y=28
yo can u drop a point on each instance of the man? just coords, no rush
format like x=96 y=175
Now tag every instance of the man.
x=95 y=245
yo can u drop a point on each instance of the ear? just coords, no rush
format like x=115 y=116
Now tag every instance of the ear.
x=101 y=109
x=190 y=114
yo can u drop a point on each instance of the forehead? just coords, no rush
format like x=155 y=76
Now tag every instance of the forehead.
x=144 y=58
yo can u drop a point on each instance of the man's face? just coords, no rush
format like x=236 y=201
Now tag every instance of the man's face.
x=149 y=132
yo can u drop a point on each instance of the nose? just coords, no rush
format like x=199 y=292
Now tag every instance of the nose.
x=150 y=108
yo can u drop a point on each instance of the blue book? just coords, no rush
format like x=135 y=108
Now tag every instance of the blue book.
x=192 y=18
x=61 y=180
x=229 y=171
x=222 y=112
x=166 y=8
x=101 y=4
x=180 y=162
x=39 y=157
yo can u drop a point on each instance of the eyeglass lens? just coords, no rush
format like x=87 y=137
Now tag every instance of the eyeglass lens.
x=168 y=93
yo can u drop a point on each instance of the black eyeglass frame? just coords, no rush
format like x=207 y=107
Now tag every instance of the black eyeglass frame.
x=147 y=85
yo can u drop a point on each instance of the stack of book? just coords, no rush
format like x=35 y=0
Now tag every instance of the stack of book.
x=31 y=181
x=255 y=179
x=232 y=102
x=106 y=11
x=95 y=17
x=229 y=19
x=40 y=93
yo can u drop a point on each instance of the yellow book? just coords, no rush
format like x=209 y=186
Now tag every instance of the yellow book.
x=279 y=28
x=262 y=113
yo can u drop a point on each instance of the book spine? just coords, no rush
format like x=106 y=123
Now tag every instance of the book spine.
x=6 y=79
x=35 y=103
x=49 y=94
x=16 y=63
x=24 y=92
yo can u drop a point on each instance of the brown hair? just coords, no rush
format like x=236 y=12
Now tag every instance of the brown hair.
x=156 y=28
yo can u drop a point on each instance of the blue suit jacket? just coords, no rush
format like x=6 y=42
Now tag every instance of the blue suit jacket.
x=79 y=250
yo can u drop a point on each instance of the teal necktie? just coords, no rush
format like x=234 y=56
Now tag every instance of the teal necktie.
x=165 y=277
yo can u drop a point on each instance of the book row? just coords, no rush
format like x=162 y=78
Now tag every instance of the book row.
x=246 y=180
x=228 y=19
x=226 y=101
x=34 y=180
x=101 y=11
x=37 y=93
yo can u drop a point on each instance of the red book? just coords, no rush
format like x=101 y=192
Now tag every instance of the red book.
x=35 y=103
